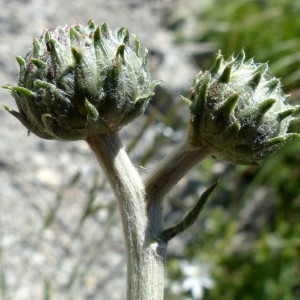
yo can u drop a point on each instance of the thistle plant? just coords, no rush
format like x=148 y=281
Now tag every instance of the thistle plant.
x=239 y=111
x=87 y=82
x=81 y=81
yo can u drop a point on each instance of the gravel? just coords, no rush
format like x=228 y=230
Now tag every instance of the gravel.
x=43 y=247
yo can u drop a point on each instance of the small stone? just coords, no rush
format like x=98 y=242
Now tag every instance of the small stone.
x=48 y=177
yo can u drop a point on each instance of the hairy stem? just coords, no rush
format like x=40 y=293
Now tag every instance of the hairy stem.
x=166 y=175
x=145 y=256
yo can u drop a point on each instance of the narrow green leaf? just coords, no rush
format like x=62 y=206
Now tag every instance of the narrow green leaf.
x=189 y=219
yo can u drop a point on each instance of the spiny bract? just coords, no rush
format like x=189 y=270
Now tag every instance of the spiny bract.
x=81 y=81
x=239 y=111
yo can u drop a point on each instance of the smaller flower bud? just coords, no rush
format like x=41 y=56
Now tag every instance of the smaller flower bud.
x=239 y=111
x=81 y=81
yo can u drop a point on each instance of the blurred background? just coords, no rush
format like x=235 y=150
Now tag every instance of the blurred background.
x=60 y=233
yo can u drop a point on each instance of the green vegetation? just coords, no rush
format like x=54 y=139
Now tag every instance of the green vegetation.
x=267 y=30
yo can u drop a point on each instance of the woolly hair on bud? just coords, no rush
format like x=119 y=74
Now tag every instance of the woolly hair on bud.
x=239 y=111
x=80 y=81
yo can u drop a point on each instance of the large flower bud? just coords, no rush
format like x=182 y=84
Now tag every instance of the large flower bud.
x=239 y=111
x=81 y=81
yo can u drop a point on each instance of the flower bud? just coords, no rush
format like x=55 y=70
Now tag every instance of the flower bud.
x=239 y=111
x=81 y=81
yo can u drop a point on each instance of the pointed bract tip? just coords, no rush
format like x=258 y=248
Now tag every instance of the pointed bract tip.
x=44 y=84
x=21 y=61
x=262 y=68
x=126 y=37
x=51 y=45
x=97 y=34
x=284 y=114
x=7 y=108
x=225 y=76
x=120 y=32
x=217 y=64
x=227 y=107
x=137 y=46
x=296 y=109
x=23 y=91
x=281 y=140
x=91 y=110
x=145 y=63
x=232 y=130
x=74 y=35
x=219 y=54
x=105 y=30
x=202 y=87
x=240 y=58
x=264 y=106
x=120 y=51
x=39 y=63
x=273 y=84
x=7 y=87
x=123 y=35
x=186 y=101
x=91 y=25
x=36 y=48
x=99 y=43
x=76 y=54
x=255 y=80
x=47 y=36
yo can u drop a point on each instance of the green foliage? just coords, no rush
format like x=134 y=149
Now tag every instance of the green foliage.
x=267 y=30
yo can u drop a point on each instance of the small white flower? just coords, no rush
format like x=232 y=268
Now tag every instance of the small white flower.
x=197 y=278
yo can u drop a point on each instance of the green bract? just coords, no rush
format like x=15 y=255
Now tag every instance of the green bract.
x=239 y=111
x=81 y=81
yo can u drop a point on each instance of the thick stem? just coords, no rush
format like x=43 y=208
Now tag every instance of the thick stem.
x=145 y=269
x=166 y=175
